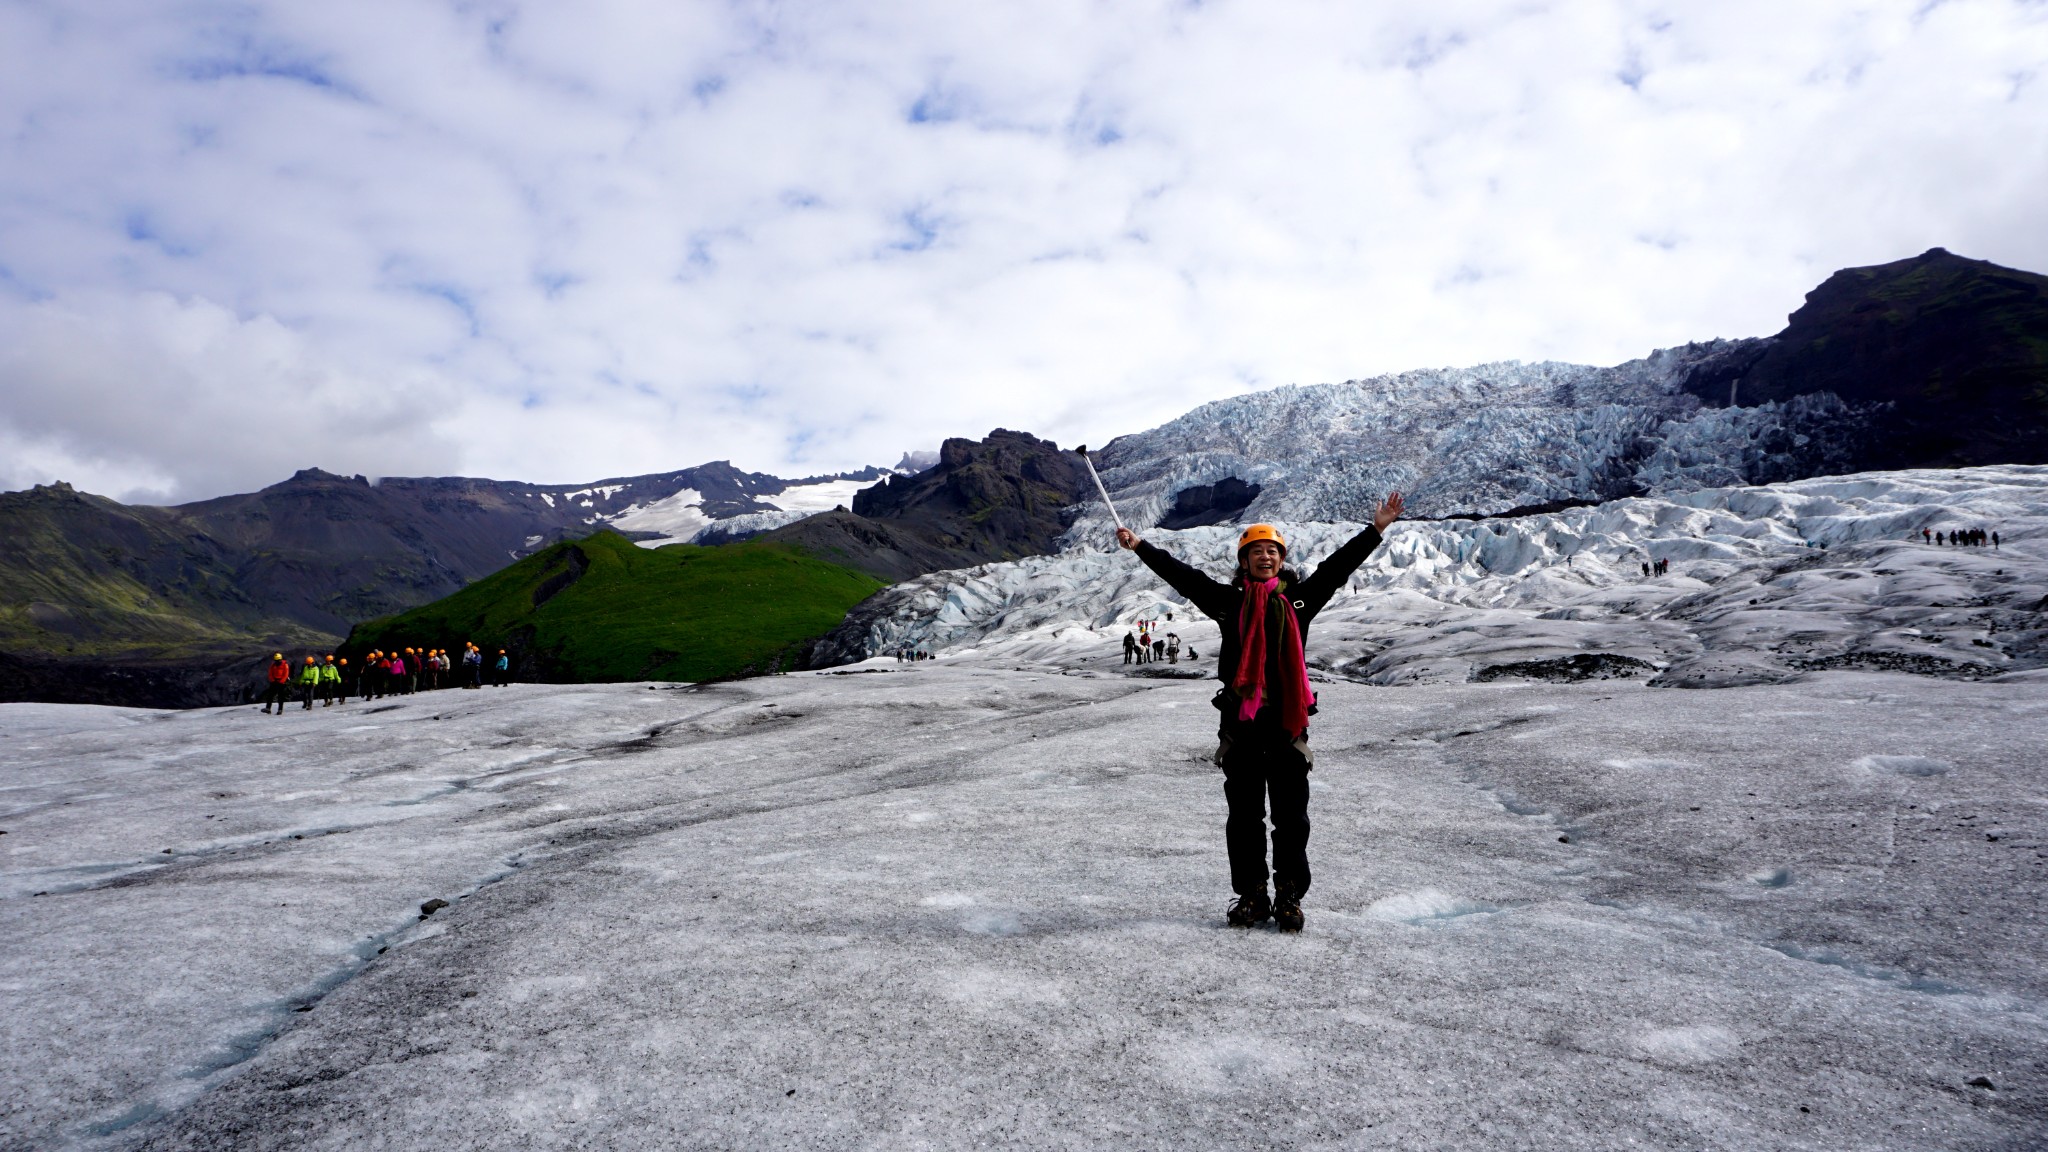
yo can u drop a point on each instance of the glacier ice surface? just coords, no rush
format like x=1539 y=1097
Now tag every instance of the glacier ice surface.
x=957 y=904
x=1764 y=583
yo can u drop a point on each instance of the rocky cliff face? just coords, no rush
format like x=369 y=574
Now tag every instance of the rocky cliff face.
x=997 y=499
x=1002 y=498
x=1945 y=357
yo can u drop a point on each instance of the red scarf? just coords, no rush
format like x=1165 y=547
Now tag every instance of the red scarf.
x=1250 y=681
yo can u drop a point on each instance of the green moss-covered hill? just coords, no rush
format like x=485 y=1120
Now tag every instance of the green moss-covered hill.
x=603 y=609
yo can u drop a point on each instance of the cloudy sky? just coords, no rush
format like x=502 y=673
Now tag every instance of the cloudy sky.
x=576 y=239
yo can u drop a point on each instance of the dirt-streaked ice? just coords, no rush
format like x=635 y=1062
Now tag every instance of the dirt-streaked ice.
x=957 y=905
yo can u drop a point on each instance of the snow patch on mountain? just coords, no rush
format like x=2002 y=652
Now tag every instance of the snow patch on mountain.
x=821 y=497
x=682 y=519
x=678 y=519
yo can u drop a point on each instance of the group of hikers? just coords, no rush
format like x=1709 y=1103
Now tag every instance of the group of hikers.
x=379 y=674
x=917 y=653
x=1146 y=646
x=1966 y=537
x=1656 y=567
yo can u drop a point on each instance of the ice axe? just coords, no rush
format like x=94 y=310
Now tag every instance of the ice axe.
x=1097 y=477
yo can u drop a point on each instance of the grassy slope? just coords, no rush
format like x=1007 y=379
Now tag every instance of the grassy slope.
x=675 y=613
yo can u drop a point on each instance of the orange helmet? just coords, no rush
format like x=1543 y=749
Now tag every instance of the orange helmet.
x=309 y=659
x=330 y=657
x=344 y=661
x=1262 y=532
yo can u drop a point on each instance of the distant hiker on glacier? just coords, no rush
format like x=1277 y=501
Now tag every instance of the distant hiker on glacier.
x=278 y=688
x=309 y=680
x=1266 y=700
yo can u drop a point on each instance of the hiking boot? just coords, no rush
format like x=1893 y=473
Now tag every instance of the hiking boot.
x=1246 y=911
x=1287 y=911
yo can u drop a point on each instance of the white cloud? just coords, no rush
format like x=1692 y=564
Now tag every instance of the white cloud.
x=625 y=237
x=149 y=397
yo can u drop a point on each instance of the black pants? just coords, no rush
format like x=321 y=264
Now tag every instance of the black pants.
x=277 y=694
x=1262 y=761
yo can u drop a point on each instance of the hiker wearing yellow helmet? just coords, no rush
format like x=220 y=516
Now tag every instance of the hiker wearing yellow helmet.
x=277 y=687
x=1264 y=613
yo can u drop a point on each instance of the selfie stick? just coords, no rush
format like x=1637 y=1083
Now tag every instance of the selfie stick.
x=1083 y=450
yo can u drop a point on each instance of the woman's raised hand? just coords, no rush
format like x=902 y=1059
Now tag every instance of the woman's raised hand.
x=1126 y=538
x=1389 y=511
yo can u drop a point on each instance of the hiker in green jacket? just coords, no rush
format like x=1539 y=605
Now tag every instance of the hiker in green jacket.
x=330 y=679
x=1266 y=700
x=309 y=680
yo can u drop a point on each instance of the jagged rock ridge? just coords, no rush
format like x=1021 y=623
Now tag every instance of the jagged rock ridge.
x=1008 y=496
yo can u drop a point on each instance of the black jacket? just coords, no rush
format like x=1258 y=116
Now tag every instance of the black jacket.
x=1221 y=602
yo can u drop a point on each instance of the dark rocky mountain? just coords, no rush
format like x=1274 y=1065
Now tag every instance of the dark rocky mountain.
x=85 y=575
x=1003 y=498
x=101 y=603
x=1942 y=360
